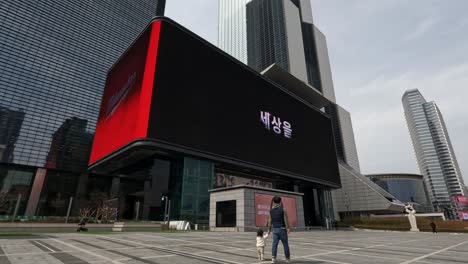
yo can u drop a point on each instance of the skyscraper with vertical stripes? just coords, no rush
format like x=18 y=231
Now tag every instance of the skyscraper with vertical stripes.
x=433 y=149
x=282 y=33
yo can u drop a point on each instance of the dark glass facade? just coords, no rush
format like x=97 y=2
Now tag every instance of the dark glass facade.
x=266 y=34
x=54 y=56
x=408 y=188
x=15 y=183
x=267 y=39
x=10 y=126
x=310 y=52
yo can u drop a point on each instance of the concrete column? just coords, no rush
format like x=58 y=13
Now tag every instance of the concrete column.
x=35 y=192
x=115 y=187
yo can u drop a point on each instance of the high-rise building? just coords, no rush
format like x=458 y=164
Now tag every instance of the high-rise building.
x=232 y=24
x=54 y=56
x=282 y=33
x=433 y=149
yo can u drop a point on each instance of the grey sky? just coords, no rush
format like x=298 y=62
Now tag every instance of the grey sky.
x=379 y=49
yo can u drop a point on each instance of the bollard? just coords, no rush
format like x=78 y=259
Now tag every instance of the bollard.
x=69 y=209
x=16 y=208
x=137 y=210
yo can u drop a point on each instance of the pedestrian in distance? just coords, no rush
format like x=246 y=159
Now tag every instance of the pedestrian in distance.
x=278 y=223
x=433 y=227
x=82 y=225
x=261 y=244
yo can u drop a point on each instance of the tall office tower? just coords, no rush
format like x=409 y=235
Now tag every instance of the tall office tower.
x=282 y=32
x=433 y=149
x=54 y=56
x=232 y=24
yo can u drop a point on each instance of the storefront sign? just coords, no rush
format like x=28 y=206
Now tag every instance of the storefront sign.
x=263 y=206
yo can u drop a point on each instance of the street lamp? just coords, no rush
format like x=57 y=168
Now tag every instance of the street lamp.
x=347 y=203
x=167 y=209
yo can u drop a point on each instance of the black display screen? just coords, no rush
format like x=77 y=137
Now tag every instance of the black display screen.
x=206 y=101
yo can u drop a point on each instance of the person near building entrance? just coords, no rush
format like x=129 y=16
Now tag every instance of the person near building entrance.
x=278 y=221
x=433 y=227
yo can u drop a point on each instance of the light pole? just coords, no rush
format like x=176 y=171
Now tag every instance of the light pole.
x=347 y=203
x=166 y=201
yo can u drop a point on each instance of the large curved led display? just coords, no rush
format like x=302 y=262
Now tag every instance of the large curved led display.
x=203 y=101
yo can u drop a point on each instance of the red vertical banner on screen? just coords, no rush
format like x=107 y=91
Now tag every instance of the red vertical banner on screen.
x=263 y=206
x=148 y=81
x=125 y=106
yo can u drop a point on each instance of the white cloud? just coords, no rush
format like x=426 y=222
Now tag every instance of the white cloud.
x=422 y=28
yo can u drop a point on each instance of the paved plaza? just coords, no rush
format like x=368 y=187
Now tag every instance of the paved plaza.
x=208 y=247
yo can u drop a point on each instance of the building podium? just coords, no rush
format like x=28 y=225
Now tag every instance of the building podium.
x=246 y=208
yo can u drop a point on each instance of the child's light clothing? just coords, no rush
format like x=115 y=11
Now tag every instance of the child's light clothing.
x=261 y=246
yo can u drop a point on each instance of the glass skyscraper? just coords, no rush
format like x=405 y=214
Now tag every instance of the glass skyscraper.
x=54 y=56
x=232 y=23
x=433 y=149
x=282 y=32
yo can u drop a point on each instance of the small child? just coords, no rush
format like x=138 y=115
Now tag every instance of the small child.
x=261 y=244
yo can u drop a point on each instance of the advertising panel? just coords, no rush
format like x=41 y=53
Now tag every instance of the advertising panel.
x=460 y=201
x=207 y=102
x=461 y=204
x=263 y=206
x=125 y=104
x=184 y=94
x=463 y=215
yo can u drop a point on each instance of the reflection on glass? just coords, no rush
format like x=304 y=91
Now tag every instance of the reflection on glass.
x=71 y=145
x=14 y=182
x=10 y=125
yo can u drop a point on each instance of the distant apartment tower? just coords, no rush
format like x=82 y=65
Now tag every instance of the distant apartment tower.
x=433 y=149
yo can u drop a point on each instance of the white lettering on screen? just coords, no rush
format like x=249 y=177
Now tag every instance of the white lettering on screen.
x=274 y=123
x=121 y=93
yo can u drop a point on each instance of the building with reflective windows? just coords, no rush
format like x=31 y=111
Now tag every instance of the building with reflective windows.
x=54 y=56
x=10 y=126
x=433 y=149
x=408 y=188
x=156 y=143
x=232 y=33
x=284 y=45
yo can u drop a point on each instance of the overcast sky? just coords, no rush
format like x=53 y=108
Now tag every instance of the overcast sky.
x=379 y=49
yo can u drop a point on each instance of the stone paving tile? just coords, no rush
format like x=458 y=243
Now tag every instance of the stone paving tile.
x=237 y=248
x=37 y=259
x=356 y=259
